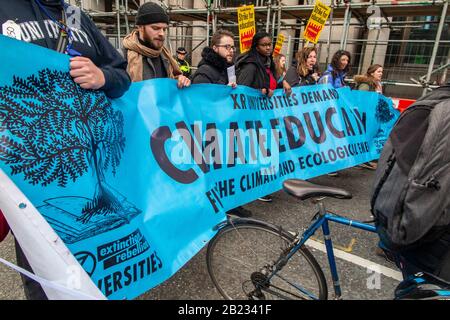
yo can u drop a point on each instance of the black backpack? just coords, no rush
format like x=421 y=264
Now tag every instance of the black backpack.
x=411 y=193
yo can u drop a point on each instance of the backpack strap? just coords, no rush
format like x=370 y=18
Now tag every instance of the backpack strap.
x=390 y=165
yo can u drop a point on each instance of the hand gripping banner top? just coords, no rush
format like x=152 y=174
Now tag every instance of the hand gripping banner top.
x=135 y=186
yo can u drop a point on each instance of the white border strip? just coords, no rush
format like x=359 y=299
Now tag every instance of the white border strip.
x=388 y=272
x=50 y=284
x=46 y=253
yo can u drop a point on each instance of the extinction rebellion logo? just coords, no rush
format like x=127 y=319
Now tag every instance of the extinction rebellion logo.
x=122 y=250
x=118 y=254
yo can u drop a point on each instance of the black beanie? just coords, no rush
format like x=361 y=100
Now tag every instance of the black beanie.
x=151 y=12
x=52 y=3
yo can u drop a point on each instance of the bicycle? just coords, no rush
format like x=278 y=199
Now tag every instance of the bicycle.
x=275 y=263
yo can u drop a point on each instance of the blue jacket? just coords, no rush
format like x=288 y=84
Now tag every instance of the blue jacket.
x=38 y=29
x=327 y=77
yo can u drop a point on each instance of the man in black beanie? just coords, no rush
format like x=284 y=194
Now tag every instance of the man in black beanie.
x=144 y=47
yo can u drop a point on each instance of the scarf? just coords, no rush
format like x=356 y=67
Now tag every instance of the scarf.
x=136 y=51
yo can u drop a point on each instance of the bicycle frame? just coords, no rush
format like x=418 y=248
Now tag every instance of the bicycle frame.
x=322 y=221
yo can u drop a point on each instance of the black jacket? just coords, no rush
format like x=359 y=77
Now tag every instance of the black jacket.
x=251 y=72
x=295 y=80
x=212 y=68
x=37 y=28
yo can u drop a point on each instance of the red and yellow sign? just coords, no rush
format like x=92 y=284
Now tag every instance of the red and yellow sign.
x=279 y=44
x=247 y=29
x=316 y=22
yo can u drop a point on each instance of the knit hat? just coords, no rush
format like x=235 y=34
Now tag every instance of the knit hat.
x=53 y=3
x=151 y=12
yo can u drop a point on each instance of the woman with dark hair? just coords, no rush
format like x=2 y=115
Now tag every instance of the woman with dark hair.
x=256 y=68
x=306 y=72
x=371 y=81
x=335 y=75
x=337 y=70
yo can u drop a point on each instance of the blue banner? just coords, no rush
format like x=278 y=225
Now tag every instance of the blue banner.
x=135 y=185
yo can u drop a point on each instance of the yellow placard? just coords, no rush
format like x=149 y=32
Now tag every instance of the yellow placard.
x=316 y=22
x=279 y=44
x=247 y=29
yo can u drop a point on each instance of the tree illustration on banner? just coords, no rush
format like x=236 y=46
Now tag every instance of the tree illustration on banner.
x=51 y=130
x=384 y=114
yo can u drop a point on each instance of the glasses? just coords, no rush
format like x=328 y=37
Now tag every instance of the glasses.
x=227 y=46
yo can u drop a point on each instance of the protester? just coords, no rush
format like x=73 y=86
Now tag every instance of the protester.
x=306 y=71
x=280 y=67
x=182 y=63
x=147 y=56
x=335 y=75
x=371 y=81
x=213 y=69
x=256 y=68
x=95 y=64
x=216 y=59
x=337 y=69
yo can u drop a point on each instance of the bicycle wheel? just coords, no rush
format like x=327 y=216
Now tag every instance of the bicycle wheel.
x=242 y=255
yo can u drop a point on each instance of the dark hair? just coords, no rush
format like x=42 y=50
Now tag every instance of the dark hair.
x=258 y=36
x=335 y=62
x=301 y=56
x=219 y=34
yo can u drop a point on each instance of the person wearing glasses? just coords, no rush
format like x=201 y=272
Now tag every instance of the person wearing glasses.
x=144 y=48
x=216 y=59
x=256 y=68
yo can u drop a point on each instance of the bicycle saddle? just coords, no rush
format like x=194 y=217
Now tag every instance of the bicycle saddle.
x=303 y=190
